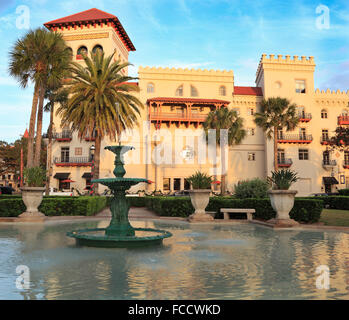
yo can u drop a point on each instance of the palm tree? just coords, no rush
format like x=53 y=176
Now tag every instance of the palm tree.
x=276 y=113
x=53 y=96
x=100 y=102
x=35 y=58
x=225 y=119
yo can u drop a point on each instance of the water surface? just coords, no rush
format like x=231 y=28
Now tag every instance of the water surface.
x=199 y=262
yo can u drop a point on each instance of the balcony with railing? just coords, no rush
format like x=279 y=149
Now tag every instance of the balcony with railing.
x=329 y=164
x=73 y=162
x=285 y=163
x=295 y=138
x=64 y=136
x=305 y=117
x=343 y=120
x=325 y=140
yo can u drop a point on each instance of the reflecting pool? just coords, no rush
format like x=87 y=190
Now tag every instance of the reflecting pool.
x=235 y=261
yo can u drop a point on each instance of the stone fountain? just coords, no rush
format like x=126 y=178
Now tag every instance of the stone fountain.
x=120 y=233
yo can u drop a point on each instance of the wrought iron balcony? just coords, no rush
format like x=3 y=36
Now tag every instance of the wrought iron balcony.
x=325 y=140
x=285 y=163
x=178 y=117
x=329 y=163
x=295 y=138
x=304 y=117
x=63 y=136
x=343 y=120
x=73 y=162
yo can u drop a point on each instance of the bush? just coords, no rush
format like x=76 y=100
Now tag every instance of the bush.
x=256 y=188
x=56 y=206
x=305 y=210
x=137 y=201
x=344 y=192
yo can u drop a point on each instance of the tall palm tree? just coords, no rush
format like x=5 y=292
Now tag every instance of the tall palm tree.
x=100 y=101
x=225 y=119
x=53 y=96
x=276 y=113
x=35 y=58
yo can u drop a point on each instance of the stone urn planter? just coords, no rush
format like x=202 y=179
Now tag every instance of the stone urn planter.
x=200 y=199
x=32 y=197
x=282 y=202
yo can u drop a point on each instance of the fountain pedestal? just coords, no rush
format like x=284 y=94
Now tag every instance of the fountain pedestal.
x=120 y=233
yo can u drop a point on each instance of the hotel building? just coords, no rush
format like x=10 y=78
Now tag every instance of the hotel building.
x=168 y=140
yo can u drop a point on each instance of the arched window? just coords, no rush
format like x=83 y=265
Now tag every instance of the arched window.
x=324 y=114
x=222 y=91
x=179 y=91
x=193 y=91
x=81 y=52
x=150 y=88
x=96 y=48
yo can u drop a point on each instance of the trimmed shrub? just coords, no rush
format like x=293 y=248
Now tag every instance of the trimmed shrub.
x=137 y=201
x=344 y=192
x=56 y=206
x=305 y=210
x=256 y=188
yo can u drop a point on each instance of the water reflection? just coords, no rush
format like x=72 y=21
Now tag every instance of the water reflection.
x=198 y=262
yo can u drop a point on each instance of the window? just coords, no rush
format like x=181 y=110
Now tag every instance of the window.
x=250 y=111
x=251 y=131
x=251 y=156
x=193 y=91
x=222 y=91
x=167 y=184
x=65 y=154
x=78 y=151
x=346 y=158
x=345 y=113
x=303 y=154
x=186 y=184
x=150 y=88
x=326 y=158
x=325 y=136
x=9 y=177
x=179 y=91
x=300 y=86
x=303 y=133
x=177 y=184
x=280 y=134
x=82 y=51
x=96 y=48
x=281 y=156
x=3 y=177
x=324 y=114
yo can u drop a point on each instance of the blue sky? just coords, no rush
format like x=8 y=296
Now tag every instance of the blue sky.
x=212 y=34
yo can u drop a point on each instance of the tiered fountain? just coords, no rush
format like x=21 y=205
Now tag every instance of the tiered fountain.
x=120 y=233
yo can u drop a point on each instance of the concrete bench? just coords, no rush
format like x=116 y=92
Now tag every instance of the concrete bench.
x=249 y=213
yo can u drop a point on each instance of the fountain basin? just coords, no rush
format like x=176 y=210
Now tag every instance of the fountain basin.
x=97 y=238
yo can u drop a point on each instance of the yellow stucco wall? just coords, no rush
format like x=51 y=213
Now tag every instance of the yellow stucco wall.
x=276 y=75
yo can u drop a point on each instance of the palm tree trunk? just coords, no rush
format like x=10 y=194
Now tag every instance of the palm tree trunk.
x=49 y=153
x=39 y=128
x=223 y=173
x=96 y=162
x=276 y=164
x=30 y=154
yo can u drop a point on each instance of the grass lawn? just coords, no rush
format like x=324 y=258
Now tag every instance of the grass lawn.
x=339 y=218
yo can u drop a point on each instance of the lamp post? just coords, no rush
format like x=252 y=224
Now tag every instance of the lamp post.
x=92 y=154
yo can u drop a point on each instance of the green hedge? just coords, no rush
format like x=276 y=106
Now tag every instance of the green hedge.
x=56 y=206
x=305 y=210
x=344 y=192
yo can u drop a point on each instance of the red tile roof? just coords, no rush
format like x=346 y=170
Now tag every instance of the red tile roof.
x=248 y=91
x=188 y=100
x=95 y=16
